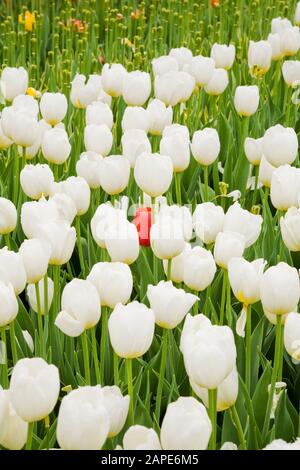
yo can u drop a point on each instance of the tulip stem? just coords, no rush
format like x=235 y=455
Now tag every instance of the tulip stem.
x=86 y=361
x=228 y=302
x=256 y=171
x=12 y=336
x=237 y=423
x=223 y=295
x=162 y=370
x=248 y=349
x=17 y=177
x=205 y=170
x=274 y=375
x=40 y=319
x=29 y=436
x=95 y=355
x=169 y=269
x=7 y=240
x=178 y=188
x=116 y=369
x=103 y=344
x=130 y=390
x=212 y=411
x=3 y=358
x=79 y=245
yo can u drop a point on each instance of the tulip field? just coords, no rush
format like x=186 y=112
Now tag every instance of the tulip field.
x=149 y=225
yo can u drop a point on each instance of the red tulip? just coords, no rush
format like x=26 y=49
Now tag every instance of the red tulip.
x=142 y=221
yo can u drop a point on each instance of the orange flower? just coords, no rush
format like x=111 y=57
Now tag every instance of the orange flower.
x=29 y=20
x=135 y=14
x=215 y=3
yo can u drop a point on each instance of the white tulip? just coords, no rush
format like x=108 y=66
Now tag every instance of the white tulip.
x=14 y=81
x=9 y=304
x=174 y=87
x=78 y=190
x=190 y=327
x=31 y=295
x=246 y=100
x=99 y=113
x=205 y=146
x=280 y=444
x=289 y=226
x=177 y=148
x=199 y=269
x=259 y=57
x=12 y=270
x=136 y=88
x=218 y=82
x=26 y=104
x=117 y=407
x=290 y=41
x=179 y=213
x=265 y=172
x=135 y=117
x=163 y=64
x=56 y=147
x=8 y=216
x=114 y=174
x=182 y=55
x=167 y=237
x=280 y=145
x=280 y=24
x=5 y=142
x=113 y=77
x=98 y=139
x=175 y=129
x=36 y=180
x=228 y=245
x=275 y=42
x=131 y=329
x=140 y=438
x=13 y=430
x=54 y=107
x=35 y=255
x=159 y=116
x=35 y=213
x=223 y=55
x=134 y=142
x=291 y=71
x=253 y=150
x=153 y=173
x=202 y=69
x=245 y=278
x=89 y=167
x=285 y=187
x=62 y=239
x=244 y=222
x=208 y=220
x=177 y=265
x=31 y=152
x=85 y=92
x=104 y=218
x=64 y=207
x=122 y=242
x=292 y=335
x=19 y=126
x=297 y=14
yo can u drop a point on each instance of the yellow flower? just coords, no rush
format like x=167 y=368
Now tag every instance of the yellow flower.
x=29 y=20
x=33 y=92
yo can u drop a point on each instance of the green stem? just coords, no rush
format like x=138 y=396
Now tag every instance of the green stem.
x=4 y=358
x=86 y=361
x=103 y=341
x=95 y=355
x=237 y=423
x=162 y=370
x=40 y=319
x=116 y=369
x=212 y=411
x=178 y=188
x=45 y=294
x=29 y=436
x=13 y=344
x=7 y=240
x=228 y=302
x=130 y=390
x=248 y=349
x=256 y=171
x=223 y=296
x=169 y=269
x=205 y=170
x=79 y=245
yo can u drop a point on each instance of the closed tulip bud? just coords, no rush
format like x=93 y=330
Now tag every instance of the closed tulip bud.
x=14 y=81
x=177 y=265
x=135 y=117
x=199 y=269
x=178 y=149
x=182 y=55
x=244 y=222
x=99 y=113
x=285 y=187
x=138 y=321
x=228 y=245
x=167 y=238
x=163 y=64
x=136 y=88
x=174 y=87
x=227 y=391
x=89 y=168
x=36 y=180
x=181 y=214
x=12 y=270
x=31 y=295
x=83 y=422
x=114 y=174
x=5 y=142
x=205 y=146
x=78 y=190
x=191 y=325
x=259 y=57
x=31 y=152
x=113 y=77
x=62 y=239
x=26 y=104
x=297 y=14
x=159 y=116
x=103 y=219
x=202 y=69
x=186 y=426
x=56 y=147
x=175 y=129
x=290 y=41
x=64 y=207
x=280 y=289
x=280 y=24
x=34 y=388
x=223 y=55
x=253 y=150
x=122 y=242
x=153 y=173
x=280 y=145
x=9 y=304
x=8 y=216
x=169 y=304
x=81 y=308
x=84 y=93
x=275 y=42
x=113 y=281
x=35 y=213
x=289 y=226
x=246 y=100
x=140 y=438
x=35 y=255
x=291 y=71
x=13 y=430
x=19 y=126
x=245 y=278
x=98 y=139
x=53 y=107
x=117 y=407
x=265 y=172
x=134 y=142
x=292 y=335
x=218 y=82
x=208 y=220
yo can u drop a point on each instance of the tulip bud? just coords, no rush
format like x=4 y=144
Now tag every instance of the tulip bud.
x=83 y=422
x=153 y=173
x=297 y=14
x=5 y=142
x=113 y=77
x=34 y=388
x=159 y=116
x=117 y=407
x=12 y=270
x=56 y=147
x=290 y=41
x=275 y=42
x=35 y=213
x=54 y=107
x=19 y=126
x=181 y=214
x=99 y=113
x=31 y=295
x=134 y=142
x=36 y=180
x=292 y=335
x=89 y=168
x=98 y=139
x=135 y=117
x=182 y=55
x=285 y=187
x=14 y=81
x=64 y=207
x=169 y=304
x=174 y=87
x=280 y=289
x=199 y=269
x=113 y=281
x=122 y=242
x=280 y=145
x=138 y=321
x=9 y=304
x=175 y=129
x=208 y=220
x=246 y=100
x=8 y=216
x=26 y=104
x=82 y=94
x=35 y=255
x=62 y=239
x=13 y=430
x=178 y=149
x=291 y=72
x=205 y=146
x=244 y=222
x=289 y=226
x=104 y=217
x=253 y=150
x=202 y=69
x=186 y=425
x=280 y=24
x=177 y=265
x=218 y=82
x=31 y=152
x=265 y=172
x=140 y=438
x=259 y=57
x=167 y=238
x=245 y=278
x=136 y=88
x=114 y=174
x=78 y=190
x=164 y=64
x=223 y=55
x=228 y=245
